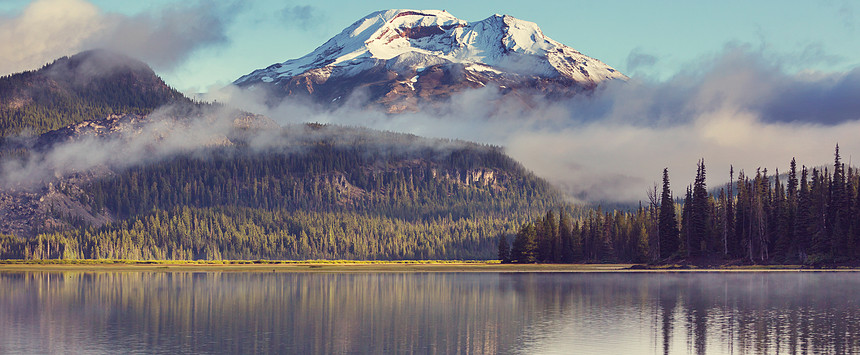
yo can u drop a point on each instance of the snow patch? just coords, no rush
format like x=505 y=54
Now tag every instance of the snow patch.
x=412 y=40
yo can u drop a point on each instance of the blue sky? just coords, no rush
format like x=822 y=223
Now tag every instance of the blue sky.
x=654 y=40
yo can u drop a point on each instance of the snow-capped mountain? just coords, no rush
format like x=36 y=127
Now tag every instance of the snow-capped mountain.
x=400 y=58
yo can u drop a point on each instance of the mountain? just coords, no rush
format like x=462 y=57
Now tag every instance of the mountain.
x=403 y=58
x=312 y=192
x=191 y=180
x=95 y=83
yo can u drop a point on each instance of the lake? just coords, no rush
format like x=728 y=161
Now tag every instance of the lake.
x=142 y=312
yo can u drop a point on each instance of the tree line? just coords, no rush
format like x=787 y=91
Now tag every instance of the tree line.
x=321 y=202
x=807 y=216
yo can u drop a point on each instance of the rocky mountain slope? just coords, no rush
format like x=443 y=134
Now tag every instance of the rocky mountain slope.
x=402 y=59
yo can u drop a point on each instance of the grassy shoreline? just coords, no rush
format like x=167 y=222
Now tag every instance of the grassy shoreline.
x=345 y=266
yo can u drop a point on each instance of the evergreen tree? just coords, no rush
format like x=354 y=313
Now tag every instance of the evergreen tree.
x=524 y=248
x=550 y=248
x=803 y=228
x=565 y=233
x=700 y=214
x=729 y=216
x=837 y=210
x=740 y=244
x=504 y=250
x=778 y=228
x=668 y=223
x=791 y=213
x=686 y=222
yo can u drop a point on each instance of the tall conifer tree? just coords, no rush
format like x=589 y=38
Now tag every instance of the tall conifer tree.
x=668 y=223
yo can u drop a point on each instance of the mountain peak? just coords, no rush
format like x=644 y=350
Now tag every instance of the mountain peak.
x=94 y=64
x=84 y=86
x=404 y=42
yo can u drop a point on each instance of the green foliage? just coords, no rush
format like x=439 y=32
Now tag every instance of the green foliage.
x=504 y=249
x=318 y=202
x=55 y=96
x=325 y=178
x=186 y=233
x=813 y=221
x=668 y=237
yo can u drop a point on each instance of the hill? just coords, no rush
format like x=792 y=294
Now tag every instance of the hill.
x=190 y=180
x=70 y=90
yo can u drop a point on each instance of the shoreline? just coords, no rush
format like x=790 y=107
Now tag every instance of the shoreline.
x=348 y=266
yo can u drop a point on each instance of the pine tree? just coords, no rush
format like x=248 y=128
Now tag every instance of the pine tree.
x=817 y=225
x=700 y=231
x=779 y=220
x=504 y=250
x=837 y=209
x=565 y=233
x=524 y=248
x=805 y=217
x=686 y=223
x=550 y=244
x=668 y=223
x=729 y=216
x=791 y=203
x=739 y=246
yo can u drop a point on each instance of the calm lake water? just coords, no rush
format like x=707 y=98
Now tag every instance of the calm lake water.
x=426 y=313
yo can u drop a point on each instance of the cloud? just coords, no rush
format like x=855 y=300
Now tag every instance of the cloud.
x=740 y=107
x=45 y=30
x=844 y=10
x=637 y=59
x=167 y=131
x=303 y=17
x=48 y=29
x=96 y=148
x=165 y=39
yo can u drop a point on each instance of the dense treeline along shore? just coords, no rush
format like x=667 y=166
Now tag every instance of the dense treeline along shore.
x=813 y=219
x=93 y=265
x=89 y=265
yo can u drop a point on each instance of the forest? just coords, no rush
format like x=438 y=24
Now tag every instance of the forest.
x=811 y=218
x=64 y=93
x=325 y=201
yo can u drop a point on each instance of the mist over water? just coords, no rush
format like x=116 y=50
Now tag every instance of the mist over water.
x=518 y=313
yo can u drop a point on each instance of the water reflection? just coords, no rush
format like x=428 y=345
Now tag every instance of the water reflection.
x=456 y=313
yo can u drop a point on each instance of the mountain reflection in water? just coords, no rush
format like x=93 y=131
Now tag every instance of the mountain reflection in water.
x=445 y=313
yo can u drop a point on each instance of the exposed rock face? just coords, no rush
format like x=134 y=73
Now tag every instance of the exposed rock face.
x=403 y=58
x=26 y=212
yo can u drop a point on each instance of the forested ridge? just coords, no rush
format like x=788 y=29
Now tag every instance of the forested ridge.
x=88 y=85
x=323 y=201
x=361 y=194
x=812 y=218
x=335 y=192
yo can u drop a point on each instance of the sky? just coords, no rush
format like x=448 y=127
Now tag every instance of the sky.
x=194 y=45
x=748 y=84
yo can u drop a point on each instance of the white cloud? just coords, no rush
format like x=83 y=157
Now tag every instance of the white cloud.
x=48 y=29
x=737 y=108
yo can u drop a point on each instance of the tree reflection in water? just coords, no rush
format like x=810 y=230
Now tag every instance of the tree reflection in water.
x=469 y=313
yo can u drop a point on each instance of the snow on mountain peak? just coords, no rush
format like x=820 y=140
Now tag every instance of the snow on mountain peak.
x=414 y=39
